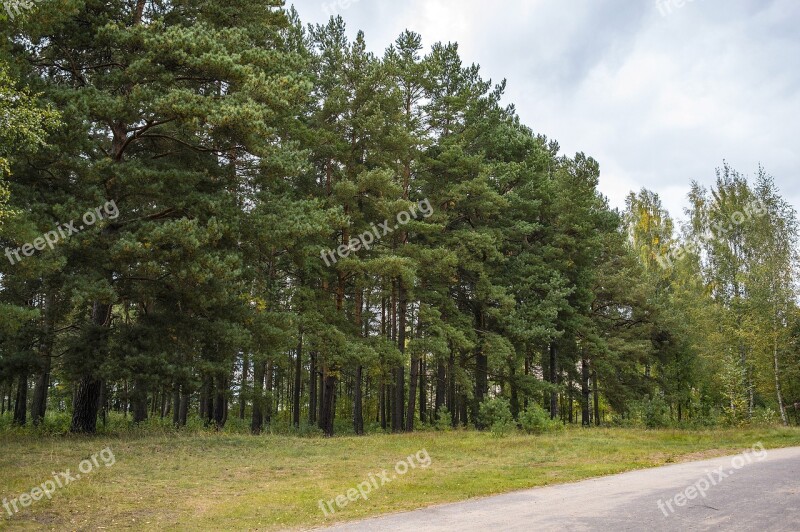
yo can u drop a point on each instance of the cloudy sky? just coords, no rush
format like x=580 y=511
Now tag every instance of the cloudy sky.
x=660 y=92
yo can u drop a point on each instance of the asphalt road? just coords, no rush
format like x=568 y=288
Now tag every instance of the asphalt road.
x=761 y=493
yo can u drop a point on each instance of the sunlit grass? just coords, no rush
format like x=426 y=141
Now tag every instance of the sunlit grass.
x=234 y=481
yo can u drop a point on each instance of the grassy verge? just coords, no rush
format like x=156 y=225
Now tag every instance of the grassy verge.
x=226 y=482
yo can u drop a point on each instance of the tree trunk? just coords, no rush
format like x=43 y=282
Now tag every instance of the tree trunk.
x=176 y=405
x=85 y=406
x=412 y=393
x=312 y=389
x=321 y=399
x=441 y=388
x=553 y=380
x=423 y=392
x=39 y=406
x=398 y=412
x=221 y=389
x=85 y=403
x=596 y=398
x=329 y=408
x=257 y=419
x=21 y=403
x=139 y=401
x=243 y=387
x=382 y=405
x=778 y=379
x=514 y=392
x=571 y=405
x=481 y=372
x=298 y=369
x=585 y=393
x=358 y=414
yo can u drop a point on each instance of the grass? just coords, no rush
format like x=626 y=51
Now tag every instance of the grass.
x=204 y=481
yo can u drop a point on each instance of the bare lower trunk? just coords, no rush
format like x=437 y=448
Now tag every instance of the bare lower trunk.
x=85 y=406
x=243 y=387
x=312 y=390
x=585 y=393
x=441 y=388
x=139 y=401
x=778 y=380
x=553 y=381
x=298 y=368
x=39 y=406
x=358 y=414
x=21 y=404
x=176 y=405
x=596 y=398
x=257 y=419
x=184 y=415
x=412 y=393
x=86 y=401
x=329 y=408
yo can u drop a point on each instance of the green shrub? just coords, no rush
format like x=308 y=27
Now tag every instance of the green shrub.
x=764 y=416
x=536 y=420
x=656 y=412
x=496 y=415
x=444 y=420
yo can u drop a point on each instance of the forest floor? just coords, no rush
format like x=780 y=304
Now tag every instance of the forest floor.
x=206 y=481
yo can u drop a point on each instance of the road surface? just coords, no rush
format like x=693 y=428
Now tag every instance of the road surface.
x=755 y=492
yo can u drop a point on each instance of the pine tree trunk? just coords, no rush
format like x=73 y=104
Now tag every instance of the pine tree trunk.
x=585 y=393
x=269 y=385
x=398 y=412
x=412 y=393
x=571 y=404
x=481 y=372
x=139 y=401
x=39 y=406
x=441 y=388
x=321 y=399
x=596 y=398
x=358 y=414
x=329 y=410
x=553 y=380
x=451 y=387
x=257 y=418
x=85 y=404
x=219 y=401
x=176 y=405
x=185 y=398
x=298 y=369
x=312 y=390
x=382 y=406
x=21 y=403
x=243 y=387
x=514 y=392
x=423 y=392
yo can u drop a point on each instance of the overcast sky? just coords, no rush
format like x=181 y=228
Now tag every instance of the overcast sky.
x=659 y=94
